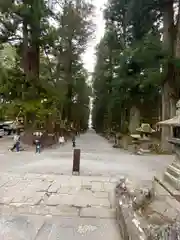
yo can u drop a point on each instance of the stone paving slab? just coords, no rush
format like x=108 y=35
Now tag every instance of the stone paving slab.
x=97 y=212
x=20 y=227
x=34 y=180
x=47 y=228
x=57 y=195
x=40 y=207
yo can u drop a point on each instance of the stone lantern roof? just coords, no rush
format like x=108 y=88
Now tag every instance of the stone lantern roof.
x=175 y=121
x=145 y=128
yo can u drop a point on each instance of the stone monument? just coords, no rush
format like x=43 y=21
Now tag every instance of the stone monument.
x=171 y=178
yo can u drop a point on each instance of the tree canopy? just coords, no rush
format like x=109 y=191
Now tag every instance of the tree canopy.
x=41 y=69
x=137 y=68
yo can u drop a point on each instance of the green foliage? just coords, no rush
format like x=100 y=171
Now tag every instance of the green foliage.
x=40 y=60
x=129 y=59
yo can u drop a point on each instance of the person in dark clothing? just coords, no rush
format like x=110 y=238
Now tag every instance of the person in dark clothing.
x=38 y=145
x=73 y=140
x=38 y=141
x=16 y=144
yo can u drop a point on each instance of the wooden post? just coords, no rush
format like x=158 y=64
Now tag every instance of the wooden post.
x=76 y=162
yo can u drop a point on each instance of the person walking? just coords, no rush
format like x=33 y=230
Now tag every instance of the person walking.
x=38 y=141
x=61 y=140
x=16 y=144
x=73 y=140
x=38 y=145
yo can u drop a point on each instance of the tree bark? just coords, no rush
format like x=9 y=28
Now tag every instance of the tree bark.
x=168 y=106
x=69 y=78
x=166 y=112
x=134 y=119
x=25 y=62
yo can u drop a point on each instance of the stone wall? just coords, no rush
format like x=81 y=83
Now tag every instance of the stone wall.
x=131 y=227
x=146 y=212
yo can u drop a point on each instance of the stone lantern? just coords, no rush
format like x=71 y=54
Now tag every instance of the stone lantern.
x=171 y=177
x=142 y=139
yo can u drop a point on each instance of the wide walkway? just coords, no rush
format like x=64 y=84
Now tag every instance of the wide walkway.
x=98 y=158
x=40 y=199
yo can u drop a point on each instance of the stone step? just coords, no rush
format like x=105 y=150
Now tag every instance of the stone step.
x=173 y=181
x=168 y=187
x=176 y=165
x=177 y=152
x=175 y=172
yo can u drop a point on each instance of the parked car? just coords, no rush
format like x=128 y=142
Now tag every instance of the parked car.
x=1 y=130
x=8 y=127
x=11 y=127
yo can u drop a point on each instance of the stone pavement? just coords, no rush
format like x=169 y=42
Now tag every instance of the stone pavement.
x=39 y=199
x=57 y=207
x=98 y=158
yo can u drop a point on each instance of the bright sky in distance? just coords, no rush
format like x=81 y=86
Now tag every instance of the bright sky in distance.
x=89 y=56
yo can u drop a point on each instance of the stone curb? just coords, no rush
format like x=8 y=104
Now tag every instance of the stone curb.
x=131 y=226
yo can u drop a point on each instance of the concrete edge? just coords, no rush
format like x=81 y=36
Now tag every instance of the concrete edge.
x=130 y=224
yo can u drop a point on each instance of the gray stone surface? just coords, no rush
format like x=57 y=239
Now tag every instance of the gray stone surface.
x=45 y=228
x=39 y=199
x=57 y=197
x=97 y=212
x=97 y=158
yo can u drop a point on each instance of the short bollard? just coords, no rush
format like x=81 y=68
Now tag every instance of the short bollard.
x=76 y=162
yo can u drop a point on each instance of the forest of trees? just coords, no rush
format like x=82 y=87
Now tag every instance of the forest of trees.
x=42 y=77
x=136 y=77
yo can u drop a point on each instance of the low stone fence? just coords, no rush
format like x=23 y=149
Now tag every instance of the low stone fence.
x=130 y=224
x=134 y=225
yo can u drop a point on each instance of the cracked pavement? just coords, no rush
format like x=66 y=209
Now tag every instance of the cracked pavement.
x=40 y=199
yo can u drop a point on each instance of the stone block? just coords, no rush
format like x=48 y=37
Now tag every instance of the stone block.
x=7 y=210
x=100 y=194
x=167 y=186
x=176 y=165
x=102 y=202
x=54 y=188
x=35 y=199
x=172 y=202
x=64 y=190
x=20 y=227
x=74 y=191
x=97 y=212
x=21 y=197
x=6 y=196
x=75 y=181
x=171 y=214
x=157 y=219
x=173 y=181
x=83 y=200
x=64 y=211
x=173 y=171
x=60 y=199
x=43 y=186
x=12 y=181
x=112 y=199
x=35 y=210
x=158 y=206
x=97 y=186
x=108 y=187
x=114 y=180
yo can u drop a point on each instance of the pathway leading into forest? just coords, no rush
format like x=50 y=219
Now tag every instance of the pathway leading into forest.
x=40 y=199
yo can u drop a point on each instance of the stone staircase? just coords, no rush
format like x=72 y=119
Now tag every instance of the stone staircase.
x=171 y=179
